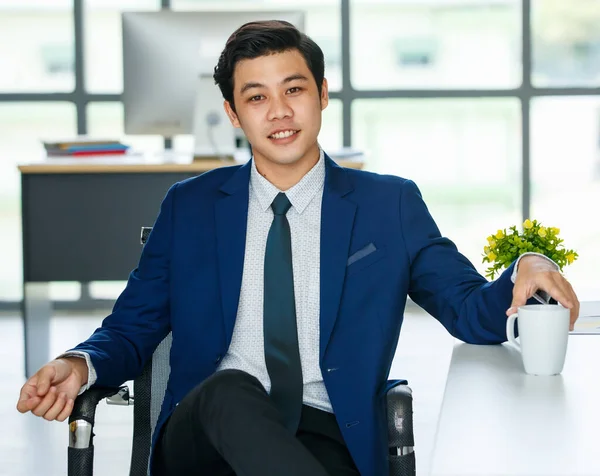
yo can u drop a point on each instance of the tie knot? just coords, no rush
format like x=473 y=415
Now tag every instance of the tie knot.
x=281 y=204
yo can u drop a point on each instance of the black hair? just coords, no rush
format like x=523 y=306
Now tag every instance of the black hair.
x=260 y=38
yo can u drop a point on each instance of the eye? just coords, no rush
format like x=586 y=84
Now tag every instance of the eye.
x=295 y=89
x=258 y=97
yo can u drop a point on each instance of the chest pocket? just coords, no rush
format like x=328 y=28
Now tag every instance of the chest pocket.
x=363 y=258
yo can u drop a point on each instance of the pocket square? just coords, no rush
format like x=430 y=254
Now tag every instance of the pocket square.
x=367 y=250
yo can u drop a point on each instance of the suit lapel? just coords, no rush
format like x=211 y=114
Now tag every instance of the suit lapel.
x=231 y=217
x=337 y=220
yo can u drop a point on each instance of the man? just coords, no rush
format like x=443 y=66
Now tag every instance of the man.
x=283 y=282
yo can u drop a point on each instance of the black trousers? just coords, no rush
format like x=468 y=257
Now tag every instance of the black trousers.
x=227 y=426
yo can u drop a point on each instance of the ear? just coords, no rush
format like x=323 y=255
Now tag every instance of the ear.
x=324 y=94
x=235 y=122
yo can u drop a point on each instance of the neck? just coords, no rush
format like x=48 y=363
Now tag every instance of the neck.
x=285 y=176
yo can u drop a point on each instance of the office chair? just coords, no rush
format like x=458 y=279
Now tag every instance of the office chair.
x=149 y=393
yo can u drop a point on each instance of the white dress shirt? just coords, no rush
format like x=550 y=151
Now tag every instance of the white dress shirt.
x=246 y=351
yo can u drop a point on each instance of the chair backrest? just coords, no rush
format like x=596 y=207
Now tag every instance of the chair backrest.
x=149 y=391
x=160 y=376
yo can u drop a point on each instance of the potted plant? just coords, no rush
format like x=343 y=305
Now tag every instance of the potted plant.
x=505 y=247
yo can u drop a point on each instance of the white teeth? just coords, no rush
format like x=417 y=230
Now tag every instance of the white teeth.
x=283 y=135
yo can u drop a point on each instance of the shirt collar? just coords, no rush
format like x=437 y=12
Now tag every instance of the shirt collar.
x=300 y=195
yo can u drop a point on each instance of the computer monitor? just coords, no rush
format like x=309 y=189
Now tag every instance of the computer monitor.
x=168 y=62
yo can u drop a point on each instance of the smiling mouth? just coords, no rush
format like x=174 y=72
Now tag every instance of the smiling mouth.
x=284 y=134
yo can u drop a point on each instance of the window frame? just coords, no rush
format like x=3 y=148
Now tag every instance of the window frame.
x=524 y=93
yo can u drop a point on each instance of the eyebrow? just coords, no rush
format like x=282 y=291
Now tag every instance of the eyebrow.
x=289 y=79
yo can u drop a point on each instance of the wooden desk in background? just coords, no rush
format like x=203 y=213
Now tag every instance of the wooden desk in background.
x=81 y=222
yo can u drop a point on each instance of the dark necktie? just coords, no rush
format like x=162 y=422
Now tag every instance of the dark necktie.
x=282 y=354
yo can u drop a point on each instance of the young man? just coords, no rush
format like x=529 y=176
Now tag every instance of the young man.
x=283 y=282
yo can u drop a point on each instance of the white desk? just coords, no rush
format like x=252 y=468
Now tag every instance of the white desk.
x=496 y=420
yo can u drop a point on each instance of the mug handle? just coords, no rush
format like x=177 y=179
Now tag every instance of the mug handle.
x=510 y=330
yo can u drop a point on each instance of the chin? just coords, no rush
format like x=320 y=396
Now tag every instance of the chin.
x=285 y=159
x=282 y=156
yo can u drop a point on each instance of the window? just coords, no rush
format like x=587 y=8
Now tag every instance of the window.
x=330 y=137
x=435 y=97
x=463 y=154
x=36 y=47
x=58 y=59
x=22 y=126
x=566 y=43
x=435 y=44
x=103 y=42
x=565 y=176
x=416 y=52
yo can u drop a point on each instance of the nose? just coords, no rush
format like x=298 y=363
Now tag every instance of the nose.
x=279 y=108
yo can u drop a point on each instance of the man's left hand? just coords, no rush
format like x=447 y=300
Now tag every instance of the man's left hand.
x=536 y=273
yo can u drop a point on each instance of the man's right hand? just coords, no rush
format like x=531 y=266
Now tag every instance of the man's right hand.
x=51 y=392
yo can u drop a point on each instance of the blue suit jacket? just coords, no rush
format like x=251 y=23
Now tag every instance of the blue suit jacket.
x=190 y=271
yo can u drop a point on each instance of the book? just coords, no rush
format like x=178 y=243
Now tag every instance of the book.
x=84 y=146
x=98 y=147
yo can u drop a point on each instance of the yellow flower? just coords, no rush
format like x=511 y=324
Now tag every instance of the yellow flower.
x=555 y=231
x=486 y=249
x=570 y=258
x=492 y=256
x=499 y=234
x=527 y=224
x=492 y=244
x=542 y=232
x=490 y=238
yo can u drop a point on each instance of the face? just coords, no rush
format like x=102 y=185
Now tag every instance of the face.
x=279 y=108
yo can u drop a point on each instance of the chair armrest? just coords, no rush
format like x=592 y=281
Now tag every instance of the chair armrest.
x=85 y=405
x=81 y=426
x=145 y=233
x=401 y=441
x=399 y=417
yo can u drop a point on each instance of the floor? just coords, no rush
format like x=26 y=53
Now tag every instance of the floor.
x=32 y=446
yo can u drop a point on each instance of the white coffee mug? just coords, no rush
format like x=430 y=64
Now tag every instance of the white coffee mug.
x=543 y=335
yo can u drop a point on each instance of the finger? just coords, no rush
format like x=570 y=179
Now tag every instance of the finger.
x=28 y=404
x=46 y=403
x=28 y=398
x=510 y=311
x=45 y=378
x=28 y=390
x=66 y=410
x=57 y=408
x=520 y=295
x=572 y=320
x=558 y=290
x=563 y=293
x=576 y=307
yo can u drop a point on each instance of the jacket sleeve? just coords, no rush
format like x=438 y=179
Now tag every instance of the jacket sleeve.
x=140 y=318
x=446 y=284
